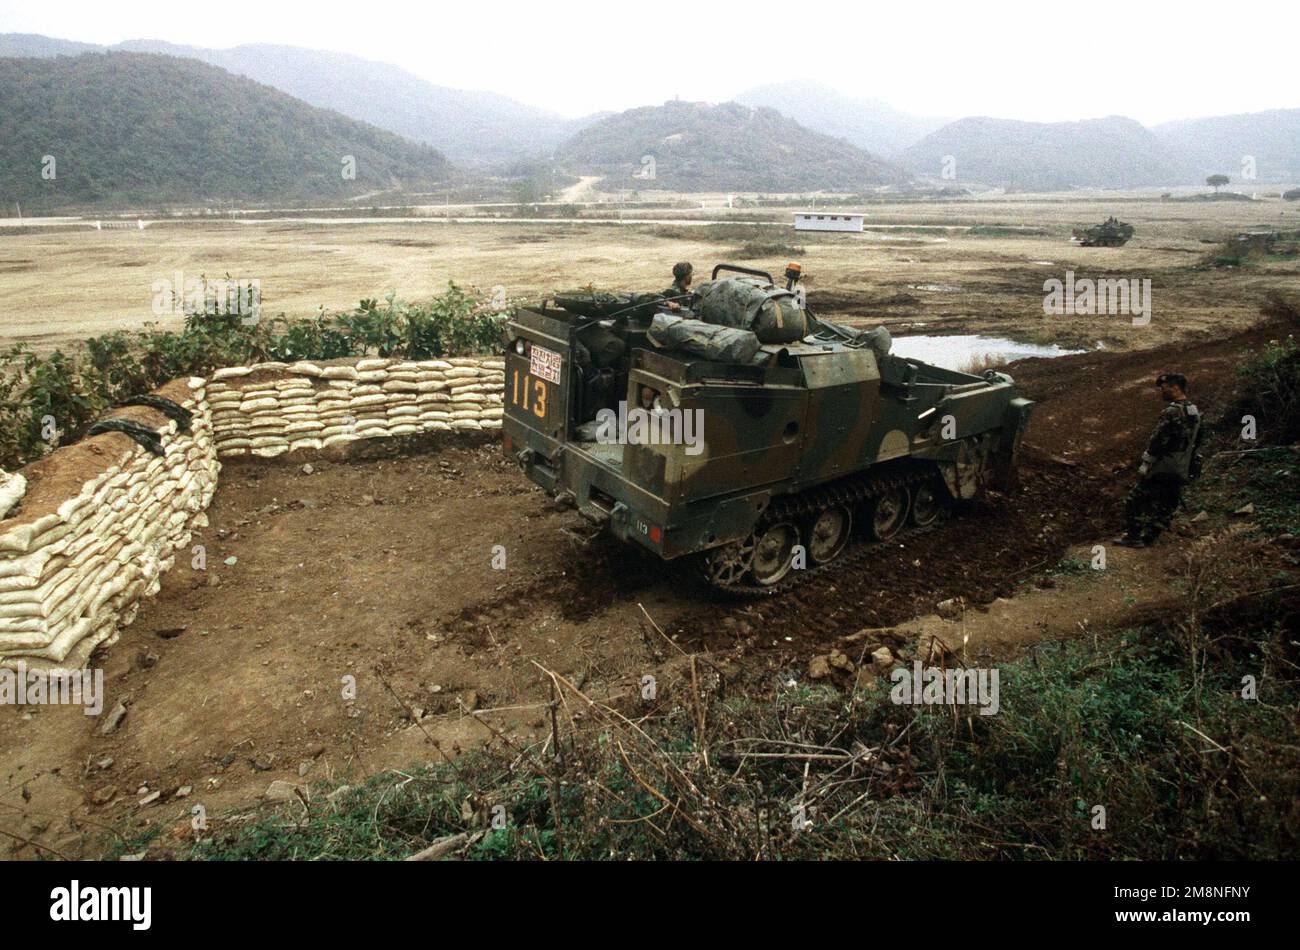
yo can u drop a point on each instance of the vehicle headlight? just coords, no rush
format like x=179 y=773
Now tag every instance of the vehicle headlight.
x=520 y=346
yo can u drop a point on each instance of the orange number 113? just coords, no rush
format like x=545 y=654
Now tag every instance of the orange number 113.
x=521 y=390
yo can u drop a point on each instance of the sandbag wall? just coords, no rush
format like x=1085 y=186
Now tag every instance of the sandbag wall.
x=100 y=520
x=269 y=409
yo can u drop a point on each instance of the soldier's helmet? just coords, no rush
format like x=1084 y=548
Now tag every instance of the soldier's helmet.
x=1177 y=379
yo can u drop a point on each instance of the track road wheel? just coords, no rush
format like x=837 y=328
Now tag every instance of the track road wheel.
x=726 y=565
x=774 y=553
x=929 y=502
x=827 y=533
x=888 y=513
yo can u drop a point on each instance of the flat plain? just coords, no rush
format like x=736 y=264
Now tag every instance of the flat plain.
x=933 y=266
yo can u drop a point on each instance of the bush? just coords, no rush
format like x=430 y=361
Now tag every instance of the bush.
x=74 y=388
x=42 y=400
x=1270 y=389
x=1251 y=247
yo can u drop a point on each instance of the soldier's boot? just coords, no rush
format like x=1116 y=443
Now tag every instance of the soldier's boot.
x=1134 y=518
x=1161 y=514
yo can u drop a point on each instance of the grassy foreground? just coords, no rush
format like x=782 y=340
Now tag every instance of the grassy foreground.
x=1183 y=731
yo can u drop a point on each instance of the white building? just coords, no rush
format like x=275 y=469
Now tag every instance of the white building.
x=820 y=221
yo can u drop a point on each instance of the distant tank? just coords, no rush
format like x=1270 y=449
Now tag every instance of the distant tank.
x=1110 y=233
x=797 y=436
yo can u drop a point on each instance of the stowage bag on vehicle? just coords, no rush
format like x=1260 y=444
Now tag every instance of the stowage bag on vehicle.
x=705 y=340
x=771 y=313
x=599 y=305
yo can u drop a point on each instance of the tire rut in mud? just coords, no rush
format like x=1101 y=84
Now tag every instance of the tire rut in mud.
x=980 y=554
x=593 y=578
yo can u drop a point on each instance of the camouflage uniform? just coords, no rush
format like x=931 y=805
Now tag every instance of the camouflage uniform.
x=680 y=294
x=1167 y=463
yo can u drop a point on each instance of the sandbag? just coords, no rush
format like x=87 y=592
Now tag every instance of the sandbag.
x=697 y=338
x=770 y=313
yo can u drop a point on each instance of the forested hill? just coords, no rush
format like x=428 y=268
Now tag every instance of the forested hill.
x=700 y=147
x=140 y=130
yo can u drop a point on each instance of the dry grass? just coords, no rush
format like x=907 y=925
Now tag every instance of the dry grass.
x=977 y=364
x=61 y=284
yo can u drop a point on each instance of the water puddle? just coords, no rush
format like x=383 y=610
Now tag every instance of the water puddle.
x=957 y=352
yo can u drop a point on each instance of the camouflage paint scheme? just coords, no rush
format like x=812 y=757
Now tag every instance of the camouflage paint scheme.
x=1110 y=233
x=818 y=412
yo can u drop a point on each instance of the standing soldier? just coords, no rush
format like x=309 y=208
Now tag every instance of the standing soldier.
x=1170 y=461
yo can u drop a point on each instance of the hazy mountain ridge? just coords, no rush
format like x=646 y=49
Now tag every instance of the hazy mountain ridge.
x=468 y=126
x=33 y=44
x=1111 y=152
x=487 y=130
x=870 y=124
x=701 y=147
x=131 y=129
x=1223 y=144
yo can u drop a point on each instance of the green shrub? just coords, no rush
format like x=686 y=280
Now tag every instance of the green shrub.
x=44 y=399
x=74 y=388
x=1270 y=388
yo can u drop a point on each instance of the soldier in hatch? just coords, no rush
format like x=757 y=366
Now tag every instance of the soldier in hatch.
x=680 y=295
x=1171 y=460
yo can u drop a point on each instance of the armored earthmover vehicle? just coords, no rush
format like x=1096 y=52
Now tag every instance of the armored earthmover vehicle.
x=761 y=462
x=1110 y=233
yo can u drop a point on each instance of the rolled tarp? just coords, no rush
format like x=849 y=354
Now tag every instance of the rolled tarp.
x=718 y=344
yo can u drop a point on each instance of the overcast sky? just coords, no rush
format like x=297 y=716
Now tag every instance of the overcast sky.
x=1039 y=61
